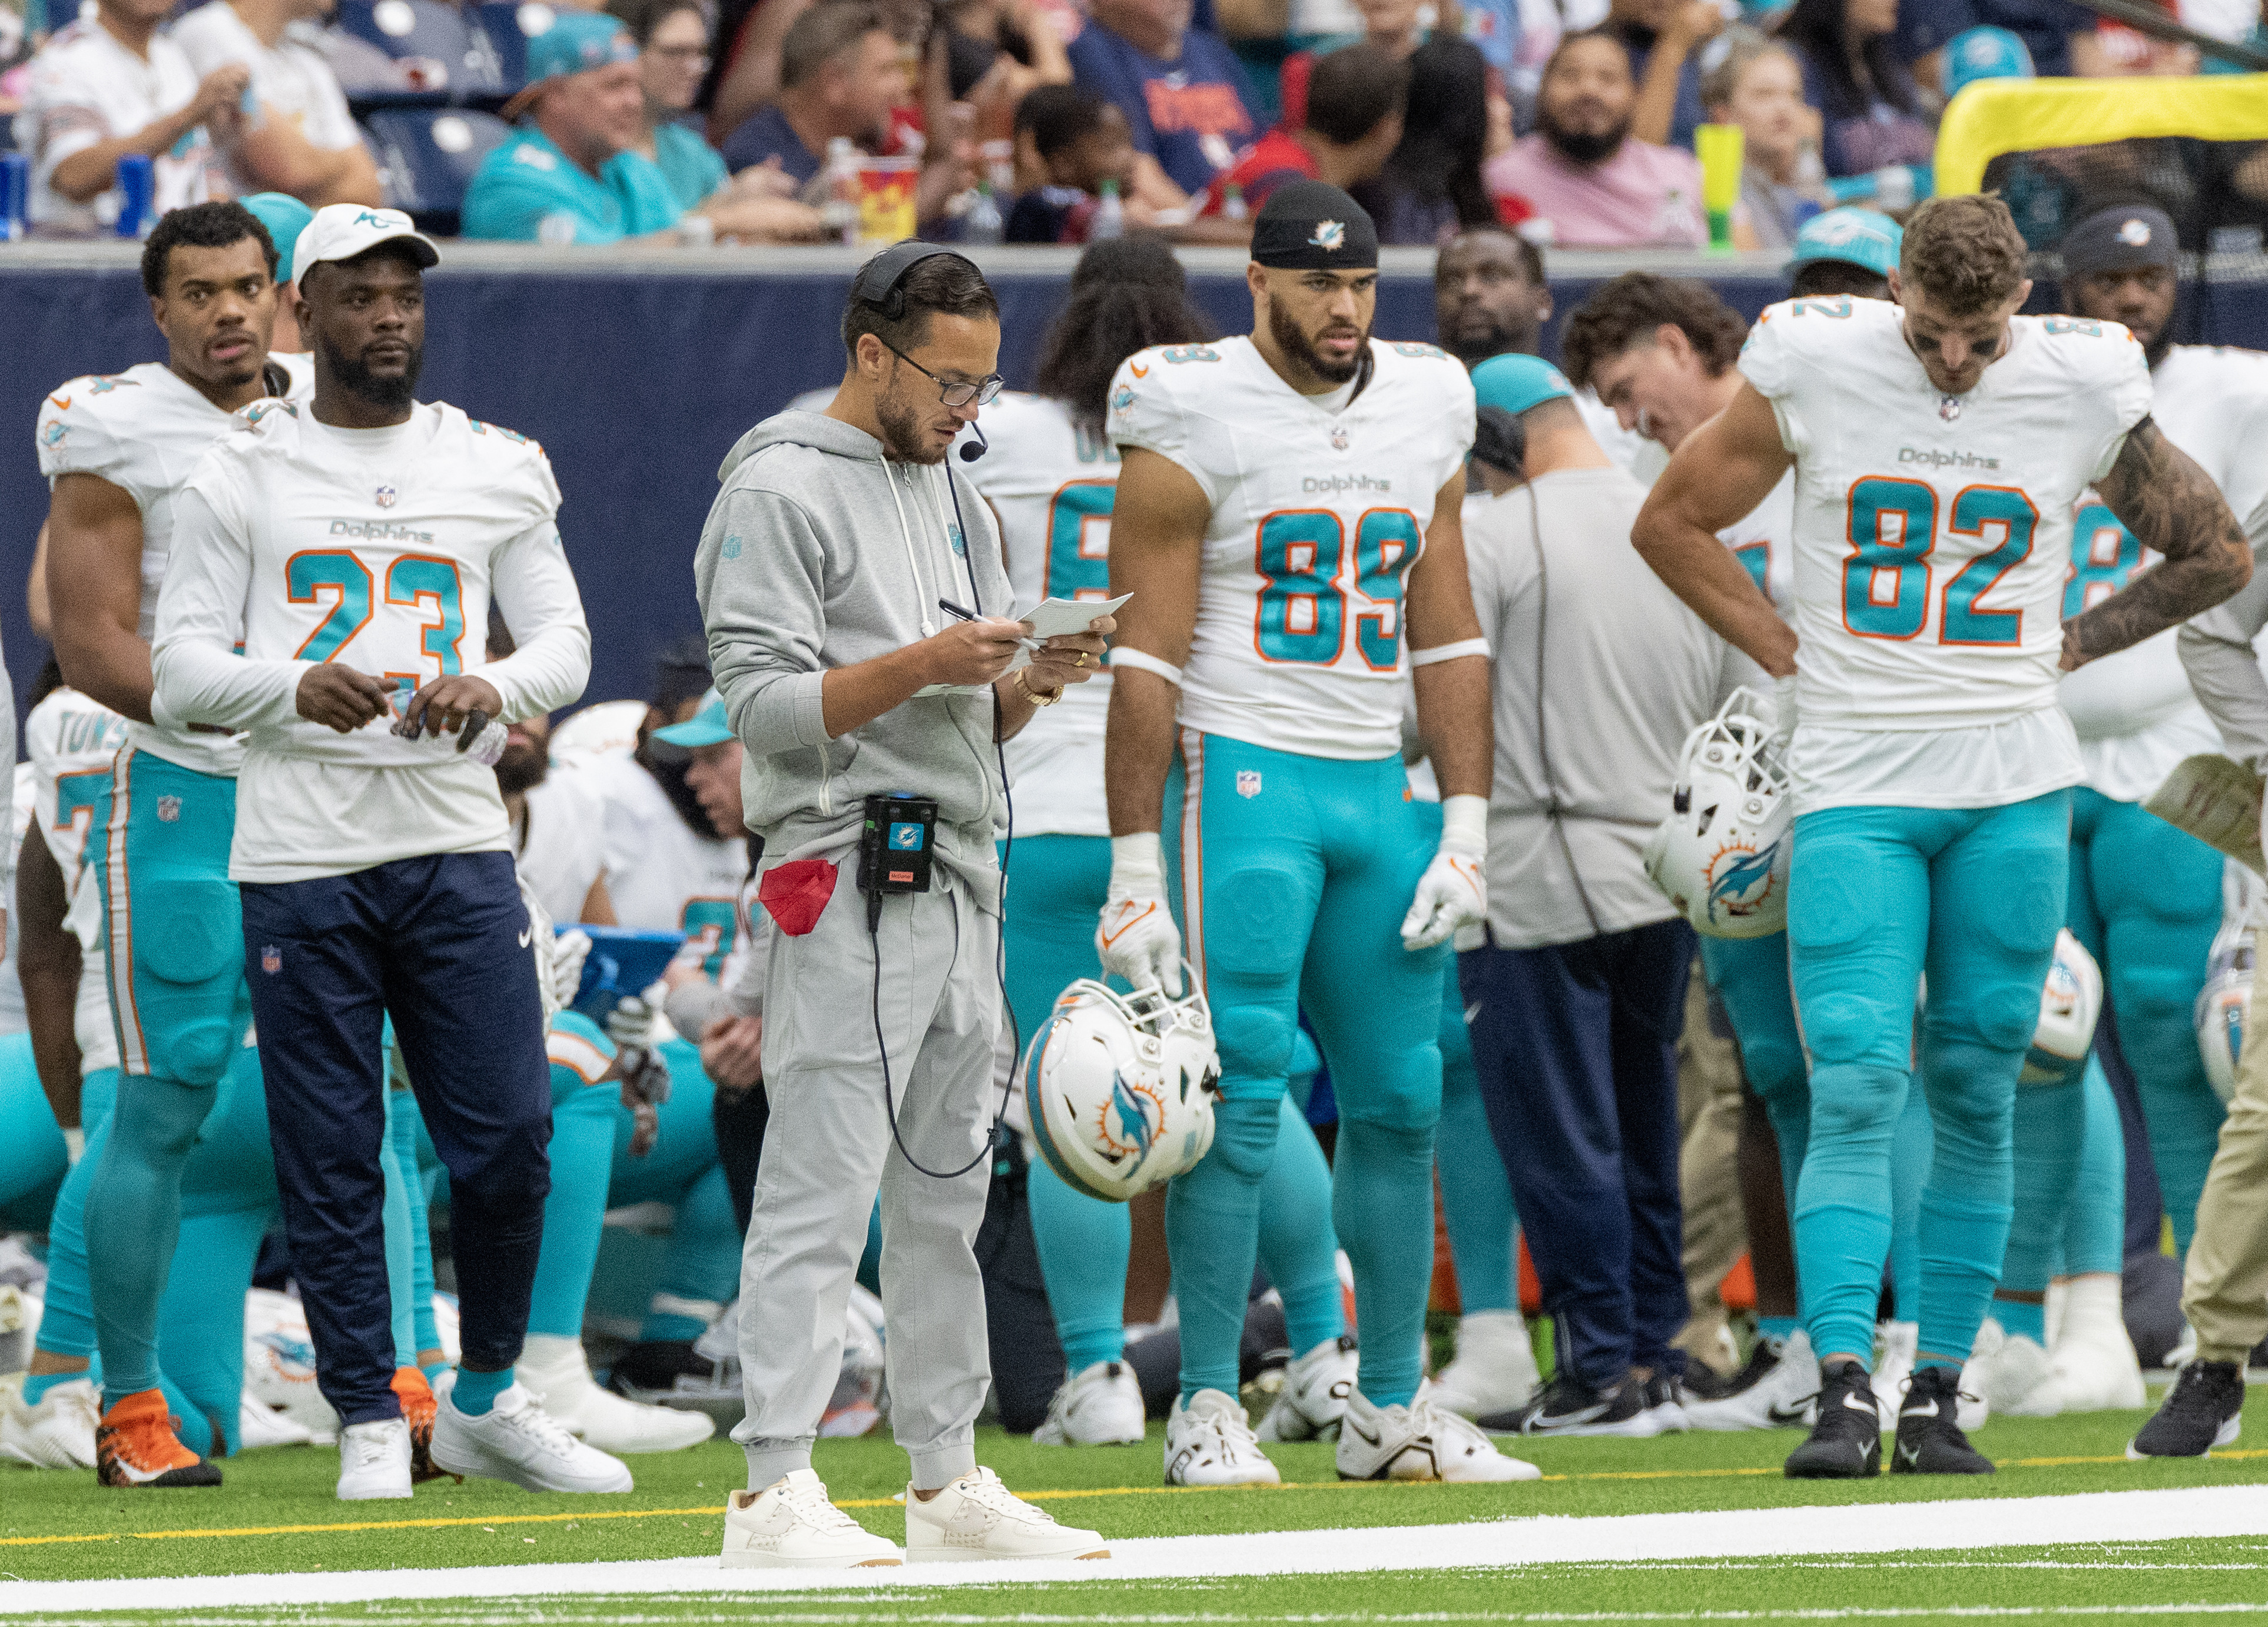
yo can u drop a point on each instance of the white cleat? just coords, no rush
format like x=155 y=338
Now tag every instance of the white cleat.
x=374 y=1461
x=2016 y=1379
x=258 y=1426
x=58 y=1433
x=790 y=1525
x=1494 y=1370
x=517 y=1440
x=975 y=1517
x=555 y=1371
x=1210 y=1443
x=1100 y=1406
x=1421 y=1441
x=1780 y=1391
x=2095 y=1361
x=1315 y=1394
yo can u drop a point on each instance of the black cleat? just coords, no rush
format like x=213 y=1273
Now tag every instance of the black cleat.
x=2204 y=1410
x=1930 y=1441
x=1567 y=1406
x=1846 y=1443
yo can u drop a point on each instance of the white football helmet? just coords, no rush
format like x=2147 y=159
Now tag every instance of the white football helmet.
x=2220 y=1007
x=1120 y=1087
x=2071 y=1004
x=1721 y=855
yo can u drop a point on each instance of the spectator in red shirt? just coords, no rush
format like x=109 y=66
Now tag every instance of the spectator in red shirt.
x=1356 y=98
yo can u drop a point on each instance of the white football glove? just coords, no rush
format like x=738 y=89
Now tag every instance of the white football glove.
x=1137 y=938
x=1452 y=893
x=569 y=950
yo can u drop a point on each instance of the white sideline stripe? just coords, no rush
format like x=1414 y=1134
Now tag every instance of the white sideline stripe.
x=1843 y=1528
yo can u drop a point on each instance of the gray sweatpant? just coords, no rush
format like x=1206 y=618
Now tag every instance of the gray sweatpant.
x=828 y=1147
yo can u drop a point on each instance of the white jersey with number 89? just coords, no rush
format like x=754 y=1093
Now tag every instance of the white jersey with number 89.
x=1320 y=506
x=1933 y=533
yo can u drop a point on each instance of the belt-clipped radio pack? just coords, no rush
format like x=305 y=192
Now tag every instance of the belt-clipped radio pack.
x=895 y=849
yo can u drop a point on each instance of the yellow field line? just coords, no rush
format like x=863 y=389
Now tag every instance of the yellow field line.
x=1058 y=1495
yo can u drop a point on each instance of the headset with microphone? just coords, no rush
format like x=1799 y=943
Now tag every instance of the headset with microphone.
x=880 y=284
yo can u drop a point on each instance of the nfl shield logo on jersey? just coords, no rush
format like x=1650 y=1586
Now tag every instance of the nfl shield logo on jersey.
x=169 y=809
x=385 y=495
x=271 y=960
x=1248 y=781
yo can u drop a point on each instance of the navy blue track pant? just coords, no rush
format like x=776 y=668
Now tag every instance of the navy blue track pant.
x=440 y=944
x=1576 y=1047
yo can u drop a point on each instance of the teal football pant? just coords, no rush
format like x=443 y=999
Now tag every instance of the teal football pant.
x=2070 y=1193
x=2145 y=901
x=34 y=1156
x=1878 y=896
x=1291 y=876
x=1059 y=884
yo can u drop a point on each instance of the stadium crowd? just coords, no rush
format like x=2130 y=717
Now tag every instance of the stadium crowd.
x=673 y=122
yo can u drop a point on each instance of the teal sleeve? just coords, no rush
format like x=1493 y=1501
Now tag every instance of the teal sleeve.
x=508 y=202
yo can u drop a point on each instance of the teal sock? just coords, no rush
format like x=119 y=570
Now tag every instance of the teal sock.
x=1213 y=1228
x=401 y=1253
x=2095 y=1225
x=433 y=1369
x=37 y=1386
x=1476 y=1191
x=1298 y=1247
x=476 y=1392
x=574 y=1211
x=665 y=1327
x=133 y=1220
x=1083 y=1245
x=1776 y=1327
x=2021 y=1318
x=1382 y=1199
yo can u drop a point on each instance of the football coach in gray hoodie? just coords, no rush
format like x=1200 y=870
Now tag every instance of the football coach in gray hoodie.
x=857 y=609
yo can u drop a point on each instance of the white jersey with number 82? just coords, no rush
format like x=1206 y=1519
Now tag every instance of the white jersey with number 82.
x=1320 y=506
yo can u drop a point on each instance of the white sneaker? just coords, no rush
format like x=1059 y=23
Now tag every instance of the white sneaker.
x=517 y=1440
x=258 y=1426
x=1895 y=1343
x=58 y=1433
x=1421 y=1441
x=975 y=1517
x=1100 y=1406
x=374 y=1461
x=791 y=1525
x=1494 y=1370
x=558 y=1375
x=2094 y=1363
x=2016 y=1378
x=1778 y=1389
x=1315 y=1394
x=1210 y=1443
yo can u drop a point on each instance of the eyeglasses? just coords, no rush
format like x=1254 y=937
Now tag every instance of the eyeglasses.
x=985 y=392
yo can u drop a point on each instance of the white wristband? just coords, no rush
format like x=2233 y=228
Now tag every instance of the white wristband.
x=1138 y=866
x=1456 y=651
x=1464 y=824
x=1121 y=656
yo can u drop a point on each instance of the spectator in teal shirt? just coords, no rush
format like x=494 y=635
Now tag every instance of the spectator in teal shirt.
x=672 y=41
x=571 y=173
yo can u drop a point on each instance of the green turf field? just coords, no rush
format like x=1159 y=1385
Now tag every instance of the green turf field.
x=277 y=1514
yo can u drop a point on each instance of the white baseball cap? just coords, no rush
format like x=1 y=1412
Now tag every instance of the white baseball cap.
x=342 y=230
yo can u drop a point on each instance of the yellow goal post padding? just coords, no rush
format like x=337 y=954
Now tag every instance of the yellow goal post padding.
x=1994 y=117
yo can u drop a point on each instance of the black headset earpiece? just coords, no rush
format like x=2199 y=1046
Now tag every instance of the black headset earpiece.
x=1500 y=441
x=879 y=281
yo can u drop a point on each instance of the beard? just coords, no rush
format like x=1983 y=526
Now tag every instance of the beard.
x=1580 y=146
x=1293 y=342
x=392 y=394
x=521 y=767
x=1502 y=339
x=902 y=434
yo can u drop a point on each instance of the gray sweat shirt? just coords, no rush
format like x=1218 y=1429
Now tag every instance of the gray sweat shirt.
x=820 y=553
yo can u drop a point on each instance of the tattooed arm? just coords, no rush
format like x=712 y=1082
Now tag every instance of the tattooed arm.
x=2165 y=499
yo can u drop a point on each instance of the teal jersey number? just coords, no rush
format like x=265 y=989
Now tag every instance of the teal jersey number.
x=1302 y=613
x=2104 y=555
x=1974 y=509
x=1073 y=566
x=311 y=576
x=1386 y=545
x=700 y=914
x=1893 y=526
x=414 y=579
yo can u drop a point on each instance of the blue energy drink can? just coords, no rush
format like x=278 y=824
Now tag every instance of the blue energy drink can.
x=137 y=196
x=15 y=197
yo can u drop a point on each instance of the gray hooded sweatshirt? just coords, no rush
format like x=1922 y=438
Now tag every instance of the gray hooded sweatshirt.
x=820 y=553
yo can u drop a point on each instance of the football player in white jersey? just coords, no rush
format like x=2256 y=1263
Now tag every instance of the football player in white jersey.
x=116 y=450
x=1050 y=474
x=1284 y=501
x=1660 y=352
x=354 y=544
x=1939 y=446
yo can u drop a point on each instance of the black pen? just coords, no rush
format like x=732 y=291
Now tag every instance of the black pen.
x=950 y=608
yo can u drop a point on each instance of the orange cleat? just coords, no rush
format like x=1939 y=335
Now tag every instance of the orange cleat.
x=417 y=1407
x=135 y=1445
